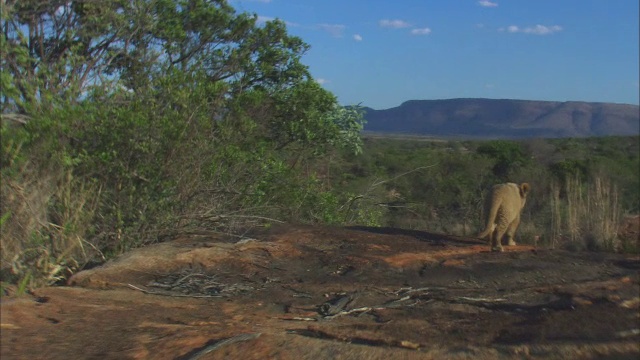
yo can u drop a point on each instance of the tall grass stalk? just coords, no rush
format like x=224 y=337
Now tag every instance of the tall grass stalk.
x=46 y=218
x=556 y=215
x=588 y=215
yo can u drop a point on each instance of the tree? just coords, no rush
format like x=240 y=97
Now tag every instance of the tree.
x=174 y=113
x=57 y=50
x=161 y=52
x=507 y=155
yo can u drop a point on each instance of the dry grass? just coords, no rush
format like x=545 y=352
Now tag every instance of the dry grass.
x=629 y=234
x=46 y=216
x=588 y=215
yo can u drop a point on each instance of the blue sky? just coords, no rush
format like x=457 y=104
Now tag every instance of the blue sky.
x=380 y=53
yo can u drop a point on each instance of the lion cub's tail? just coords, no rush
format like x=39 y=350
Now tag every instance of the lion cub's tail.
x=490 y=220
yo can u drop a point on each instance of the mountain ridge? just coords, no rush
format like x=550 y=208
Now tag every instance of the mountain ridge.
x=505 y=118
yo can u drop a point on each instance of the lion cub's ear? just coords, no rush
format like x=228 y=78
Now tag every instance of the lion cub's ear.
x=524 y=189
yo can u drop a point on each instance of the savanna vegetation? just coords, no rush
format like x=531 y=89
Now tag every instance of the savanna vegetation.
x=127 y=122
x=581 y=188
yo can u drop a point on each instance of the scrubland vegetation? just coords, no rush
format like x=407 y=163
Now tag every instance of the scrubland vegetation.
x=581 y=188
x=127 y=122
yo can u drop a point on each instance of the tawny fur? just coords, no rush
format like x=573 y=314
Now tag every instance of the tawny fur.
x=502 y=213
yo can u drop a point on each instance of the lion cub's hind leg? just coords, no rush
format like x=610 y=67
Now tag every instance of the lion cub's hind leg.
x=496 y=239
x=511 y=231
x=490 y=237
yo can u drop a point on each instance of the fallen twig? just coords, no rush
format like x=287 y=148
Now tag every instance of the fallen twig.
x=396 y=303
x=480 y=299
x=405 y=291
x=182 y=279
x=298 y=318
x=348 y=312
x=172 y=295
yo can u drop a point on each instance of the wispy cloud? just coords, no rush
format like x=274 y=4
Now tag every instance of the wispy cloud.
x=336 y=30
x=357 y=37
x=487 y=3
x=421 y=31
x=513 y=29
x=322 y=81
x=534 y=30
x=395 y=24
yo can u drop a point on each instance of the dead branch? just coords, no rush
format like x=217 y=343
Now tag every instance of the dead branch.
x=401 y=175
x=470 y=299
x=215 y=218
x=298 y=318
x=352 y=311
x=172 y=295
x=405 y=291
x=19 y=118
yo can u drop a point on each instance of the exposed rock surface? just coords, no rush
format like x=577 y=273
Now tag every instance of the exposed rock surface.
x=333 y=293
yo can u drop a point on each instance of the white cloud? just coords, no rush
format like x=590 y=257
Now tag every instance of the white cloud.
x=542 y=30
x=534 y=30
x=335 y=30
x=421 y=31
x=487 y=3
x=357 y=37
x=396 y=24
x=322 y=81
x=512 y=29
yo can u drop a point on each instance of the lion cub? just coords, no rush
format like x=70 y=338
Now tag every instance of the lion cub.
x=502 y=213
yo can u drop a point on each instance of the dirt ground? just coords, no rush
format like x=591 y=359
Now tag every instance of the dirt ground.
x=333 y=293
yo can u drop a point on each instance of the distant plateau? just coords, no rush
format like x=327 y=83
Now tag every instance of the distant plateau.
x=505 y=119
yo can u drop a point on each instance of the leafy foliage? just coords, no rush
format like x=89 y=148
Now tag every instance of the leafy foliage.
x=508 y=156
x=165 y=116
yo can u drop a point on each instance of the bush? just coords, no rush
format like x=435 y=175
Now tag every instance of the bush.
x=226 y=130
